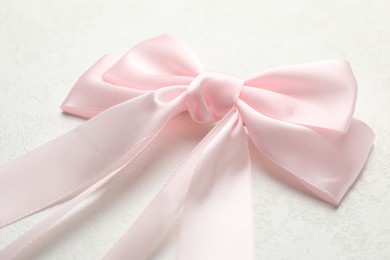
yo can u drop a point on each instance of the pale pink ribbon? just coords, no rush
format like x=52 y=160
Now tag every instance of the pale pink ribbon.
x=299 y=117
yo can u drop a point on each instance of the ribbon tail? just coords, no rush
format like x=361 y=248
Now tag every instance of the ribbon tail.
x=69 y=164
x=234 y=195
x=217 y=221
x=16 y=247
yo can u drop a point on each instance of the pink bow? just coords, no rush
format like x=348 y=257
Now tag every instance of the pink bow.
x=299 y=117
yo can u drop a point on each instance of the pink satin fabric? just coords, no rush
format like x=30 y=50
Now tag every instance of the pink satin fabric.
x=299 y=117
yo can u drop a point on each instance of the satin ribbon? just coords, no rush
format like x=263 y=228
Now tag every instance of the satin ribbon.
x=299 y=117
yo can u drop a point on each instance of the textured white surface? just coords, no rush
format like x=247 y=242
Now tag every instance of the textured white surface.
x=46 y=45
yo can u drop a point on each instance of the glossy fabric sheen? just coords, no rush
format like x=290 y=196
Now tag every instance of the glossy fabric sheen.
x=299 y=117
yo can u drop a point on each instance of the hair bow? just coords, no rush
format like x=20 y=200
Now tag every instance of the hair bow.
x=299 y=117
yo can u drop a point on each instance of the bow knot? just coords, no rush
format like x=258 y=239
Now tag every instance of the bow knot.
x=211 y=95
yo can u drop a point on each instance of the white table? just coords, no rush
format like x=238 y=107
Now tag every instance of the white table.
x=46 y=45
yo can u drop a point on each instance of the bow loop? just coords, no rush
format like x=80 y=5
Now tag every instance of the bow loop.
x=318 y=94
x=211 y=95
x=159 y=62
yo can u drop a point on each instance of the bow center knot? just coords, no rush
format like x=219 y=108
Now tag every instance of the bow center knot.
x=211 y=95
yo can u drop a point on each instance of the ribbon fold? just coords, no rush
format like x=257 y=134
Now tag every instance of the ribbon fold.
x=299 y=117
